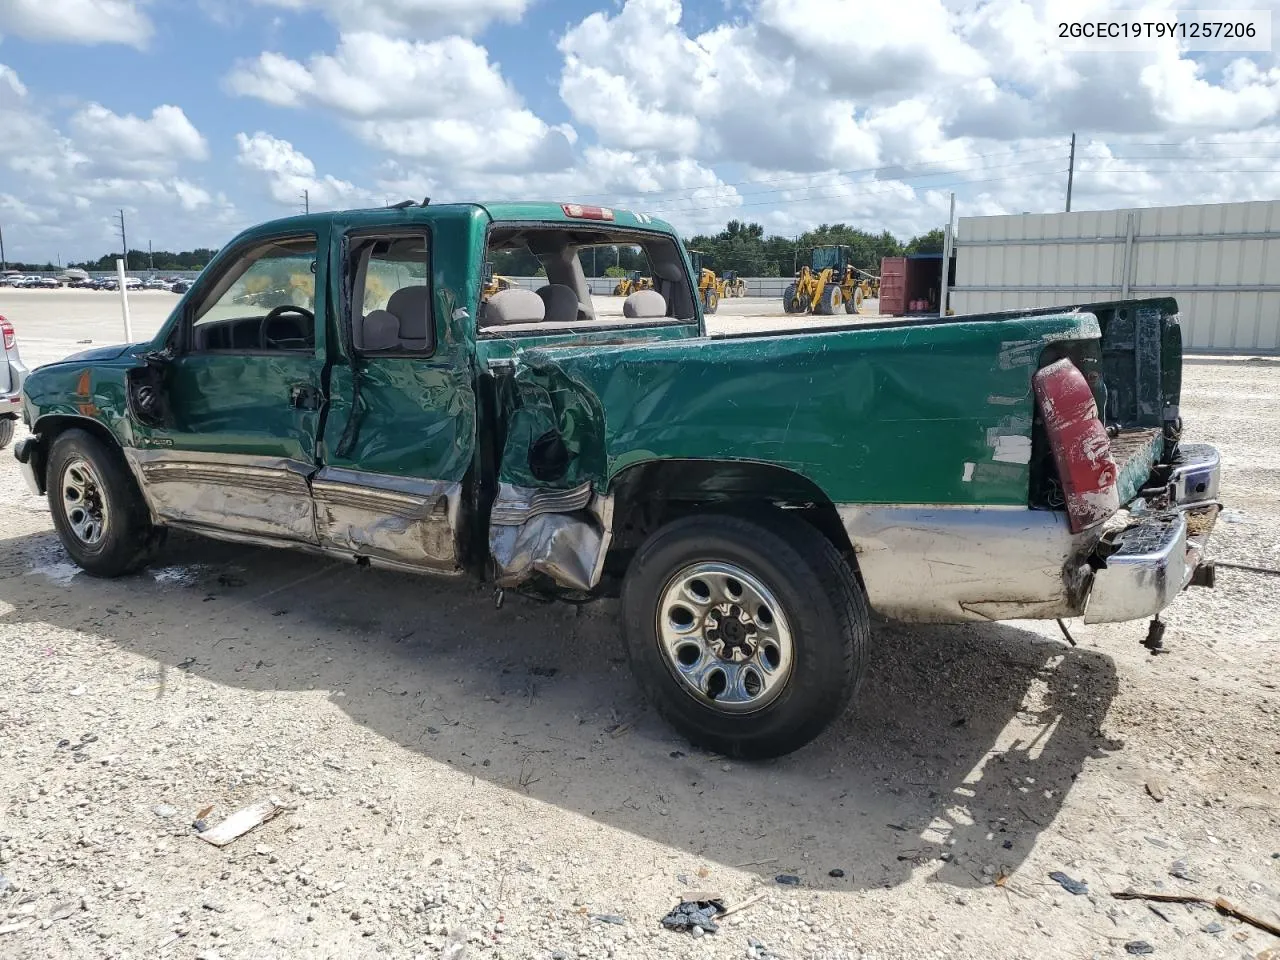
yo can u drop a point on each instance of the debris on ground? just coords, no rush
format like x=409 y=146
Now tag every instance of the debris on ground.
x=241 y=822
x=164 y=811
x=837 y=873
x=787 y=880
x=1179 y=869
x=1157 y=789
x=690 y=915
x=1139 y=948
x=758 y=951
x=613 y=918
x=1221 y=904
x=1077 y=888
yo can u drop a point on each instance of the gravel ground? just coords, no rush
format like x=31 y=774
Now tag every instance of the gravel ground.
x=467 y=782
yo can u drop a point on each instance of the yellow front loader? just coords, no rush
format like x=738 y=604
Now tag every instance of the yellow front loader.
x=494 y=282
x=826 y=284
x=631 y=283
x=710 y=287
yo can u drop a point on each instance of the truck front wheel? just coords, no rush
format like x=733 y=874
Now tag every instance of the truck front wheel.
x=748 y=636
x=97 y=508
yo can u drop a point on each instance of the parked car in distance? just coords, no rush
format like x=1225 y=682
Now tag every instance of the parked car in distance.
x=344 y=384
x=12 y=375
x=180 y=286
x=154 y=283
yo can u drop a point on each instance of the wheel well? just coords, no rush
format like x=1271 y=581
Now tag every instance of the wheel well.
x=650 y=494
x=49 y=427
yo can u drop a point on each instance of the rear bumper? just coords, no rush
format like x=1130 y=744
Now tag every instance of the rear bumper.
x=1144 y=566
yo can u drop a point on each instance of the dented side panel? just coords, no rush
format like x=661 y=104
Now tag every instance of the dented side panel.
x=920 y=413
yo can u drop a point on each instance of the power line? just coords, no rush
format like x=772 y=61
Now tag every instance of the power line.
x=858 y=193
x=1057 y=151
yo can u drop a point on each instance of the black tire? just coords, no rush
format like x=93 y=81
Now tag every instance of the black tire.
x=789 y=304
x=829 y=300
x=710 y=301
x=6 y=431
x=819 y=597
x=128 y=536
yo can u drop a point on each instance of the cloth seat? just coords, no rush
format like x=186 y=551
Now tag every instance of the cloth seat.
x=516 y=305
x=562 y=302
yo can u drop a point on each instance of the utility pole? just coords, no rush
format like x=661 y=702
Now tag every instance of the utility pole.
x=151 y=259
x=948 y=238
x=1071 y=171
x=124 y=241
x=306 y=201
x=4 y=264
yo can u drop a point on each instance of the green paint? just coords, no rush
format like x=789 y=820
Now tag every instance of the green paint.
x=887 y=414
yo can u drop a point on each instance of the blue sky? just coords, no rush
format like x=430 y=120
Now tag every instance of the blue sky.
x=199 y=117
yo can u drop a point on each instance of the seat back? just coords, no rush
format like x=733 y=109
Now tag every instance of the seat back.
x=562 y=302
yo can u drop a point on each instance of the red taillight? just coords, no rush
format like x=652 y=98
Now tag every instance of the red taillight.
x=6 y=330
x=1080 y=445
x=580 y=212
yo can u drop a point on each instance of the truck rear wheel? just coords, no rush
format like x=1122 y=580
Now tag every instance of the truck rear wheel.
x=97 y=507
x=750 y=637
x=6 y=431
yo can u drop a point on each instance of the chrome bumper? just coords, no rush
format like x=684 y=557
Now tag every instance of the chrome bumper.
x=1194 y=476
x=23 y=451
x=1150 y=562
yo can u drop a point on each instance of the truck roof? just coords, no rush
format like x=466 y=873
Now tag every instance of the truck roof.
x=498 y=211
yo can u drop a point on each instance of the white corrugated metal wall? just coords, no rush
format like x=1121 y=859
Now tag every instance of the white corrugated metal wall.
x=1220 y=261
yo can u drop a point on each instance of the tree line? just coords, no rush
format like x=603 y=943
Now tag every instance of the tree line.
x=143 y=260
x=743 y=248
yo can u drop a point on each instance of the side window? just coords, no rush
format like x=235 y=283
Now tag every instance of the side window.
x=264 y=301
x=391 y=295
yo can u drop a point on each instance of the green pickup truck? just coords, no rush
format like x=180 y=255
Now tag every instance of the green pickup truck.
x=343 y=383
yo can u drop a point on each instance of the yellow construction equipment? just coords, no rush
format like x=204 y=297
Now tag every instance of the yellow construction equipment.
x=631 y=283
x=826 y=284
x=710 y=289
x=732 y=285
x=494 y=282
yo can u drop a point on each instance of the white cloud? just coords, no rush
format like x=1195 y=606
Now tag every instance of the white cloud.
x=439 y=101
x=412 y=18
x=288 y=172
x=61 y=191
x=77 y=21
x=131 y=144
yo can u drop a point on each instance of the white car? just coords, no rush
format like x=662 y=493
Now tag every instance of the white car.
x=12 y=373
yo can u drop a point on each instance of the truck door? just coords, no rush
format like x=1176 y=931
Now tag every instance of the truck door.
x=400 y=430
x=244 y=395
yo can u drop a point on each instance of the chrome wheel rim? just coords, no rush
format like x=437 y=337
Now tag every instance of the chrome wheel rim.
x=725 y=637
x=83 y=502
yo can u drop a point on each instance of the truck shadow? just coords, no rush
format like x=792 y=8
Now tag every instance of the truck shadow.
x=960 y=751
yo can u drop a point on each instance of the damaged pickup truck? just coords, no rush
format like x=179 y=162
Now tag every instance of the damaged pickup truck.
x=343 y=383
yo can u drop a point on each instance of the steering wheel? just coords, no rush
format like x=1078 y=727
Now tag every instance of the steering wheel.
x=276 y=313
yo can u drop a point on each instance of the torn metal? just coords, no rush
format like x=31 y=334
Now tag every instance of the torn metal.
x=562 y=534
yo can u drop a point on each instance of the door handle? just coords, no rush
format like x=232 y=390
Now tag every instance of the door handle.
x=304 y=396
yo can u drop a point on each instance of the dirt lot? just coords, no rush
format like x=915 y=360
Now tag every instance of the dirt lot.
x=464 y=781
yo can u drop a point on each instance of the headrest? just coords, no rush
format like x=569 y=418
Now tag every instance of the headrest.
x=644 y=304
x=381 y=330
x=516 y=305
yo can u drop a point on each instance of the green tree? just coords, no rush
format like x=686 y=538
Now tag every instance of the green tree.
x=930 y=242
